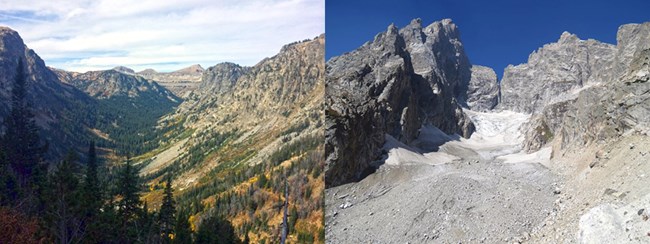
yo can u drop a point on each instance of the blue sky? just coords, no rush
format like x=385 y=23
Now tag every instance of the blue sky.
x=494 y=33
x=166 y=35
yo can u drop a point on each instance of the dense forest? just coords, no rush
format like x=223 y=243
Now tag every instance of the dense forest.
x=253 y=197
x=85 y=200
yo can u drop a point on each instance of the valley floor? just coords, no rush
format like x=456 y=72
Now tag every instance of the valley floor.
x=485 y=189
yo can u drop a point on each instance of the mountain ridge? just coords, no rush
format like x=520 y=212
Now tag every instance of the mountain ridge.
x=181 y=82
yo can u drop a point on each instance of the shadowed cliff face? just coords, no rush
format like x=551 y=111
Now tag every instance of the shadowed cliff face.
x=52 y=101
x=403 y=79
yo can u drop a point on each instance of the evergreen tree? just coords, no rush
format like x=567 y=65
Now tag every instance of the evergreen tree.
x=167 y=212
x=147 y=228
x=108 y=224
x=92 y=191
x=128 y=193
x=92 y=196
x=9 y=191
x=63 y=215
x=262 y=181
x=285 y=224
x=216 y=230
x=247 y=240
x=183 y=231
x=293 y=218
x=21 y=140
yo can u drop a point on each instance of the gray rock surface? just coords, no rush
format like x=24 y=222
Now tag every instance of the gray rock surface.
x=614 y=103
x=462 y=202
x=631 y=39
x=181 y=82
x=393 y=85
x=221 y=78
x=106 y=84
x=52 y=100
x=264 y=95
x=125 y=70
x=553 y=72
x=483 y=89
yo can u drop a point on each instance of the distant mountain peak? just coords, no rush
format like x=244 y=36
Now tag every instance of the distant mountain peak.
x=148 y=71
x=124 y=69
x=6 y=31
x=10 y=42
x=568 y=37
x=181 y=82
x=196 y=68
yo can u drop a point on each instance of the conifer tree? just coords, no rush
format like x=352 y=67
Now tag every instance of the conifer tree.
x=92 y=195
x=108 y=225
x=167 y=212
x=92 y=191
x=63 y=212
x=215 y=229
x=183 y=231
x=285 y=224
x=147 y=228
x=21 y=140
x=128 y=193
x=8 y=184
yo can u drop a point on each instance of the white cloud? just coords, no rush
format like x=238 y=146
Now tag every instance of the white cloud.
x=165 y=35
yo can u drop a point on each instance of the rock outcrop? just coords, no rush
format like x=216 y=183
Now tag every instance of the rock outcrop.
x=263 y=109
x=403 y=79
x=52 y=101
x=271 y=87
x=605 y=96
x=483 y=89
x=221 y=78
x=181 y=82
x=115 y=83
x=554 y=72
x=125 y=70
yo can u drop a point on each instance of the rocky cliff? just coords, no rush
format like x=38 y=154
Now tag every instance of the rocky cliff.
x=553 y=72
x=53 y=101
x=113 y=107
x=116 y=83
x=590 y=95
x=403 y=79
x=266 y=106
x=272 y=87
x=181 y=82
x=483 y=90
x=220 y=79
x=598 y=131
